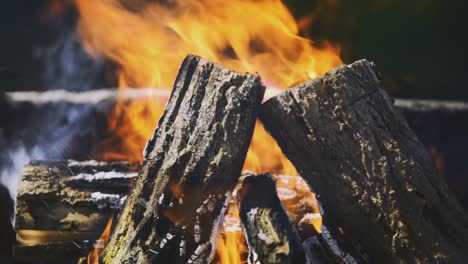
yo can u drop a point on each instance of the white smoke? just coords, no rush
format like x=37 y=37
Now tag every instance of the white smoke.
x=10 y=174
x=51 y=130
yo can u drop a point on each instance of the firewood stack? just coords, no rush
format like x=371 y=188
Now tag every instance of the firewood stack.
x=381 y=198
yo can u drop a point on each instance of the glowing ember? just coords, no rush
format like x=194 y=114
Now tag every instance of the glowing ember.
x=93 y=257
x=298 y=201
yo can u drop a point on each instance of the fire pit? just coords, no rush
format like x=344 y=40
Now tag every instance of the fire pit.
x=228 y=166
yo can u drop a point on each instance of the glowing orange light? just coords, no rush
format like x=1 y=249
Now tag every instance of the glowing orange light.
x=149 y=39
x=93 y=256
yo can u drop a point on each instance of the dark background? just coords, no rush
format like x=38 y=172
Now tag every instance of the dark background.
x=419 y=45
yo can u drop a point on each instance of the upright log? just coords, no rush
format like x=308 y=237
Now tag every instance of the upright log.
x=270 y=234
x=191 y=164
x=375 y=180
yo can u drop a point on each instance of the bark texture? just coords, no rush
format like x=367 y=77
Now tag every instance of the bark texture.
x=382 y=197
x=70 y=195
x=270 y=234
x=191 y=164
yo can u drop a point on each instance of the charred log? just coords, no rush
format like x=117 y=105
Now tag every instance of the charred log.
x=377 y=184
x=192 y=162
x=318 y=251
x=71 y=195
x=6 y=223
x=270 y=234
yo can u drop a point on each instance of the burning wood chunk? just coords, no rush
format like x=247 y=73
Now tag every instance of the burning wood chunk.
x=192 y=162
x=382 y=197
x=70 y=195
x=270 y=234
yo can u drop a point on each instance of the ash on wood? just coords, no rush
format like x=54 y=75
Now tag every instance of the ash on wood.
x=271 y=236
x=375 y=180
x=192 y=162
x=71 y=195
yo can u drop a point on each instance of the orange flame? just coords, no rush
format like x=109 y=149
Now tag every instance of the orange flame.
x=149 y=39
x=93 y=256
x=230 y=247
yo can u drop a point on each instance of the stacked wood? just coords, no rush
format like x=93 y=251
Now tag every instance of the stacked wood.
x=271 y=236
x=191 y=164
x=87 y=177
x=383 y=200
x=71 y=196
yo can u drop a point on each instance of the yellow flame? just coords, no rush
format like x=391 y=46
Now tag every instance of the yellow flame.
x=149 y=39
x=93 y=256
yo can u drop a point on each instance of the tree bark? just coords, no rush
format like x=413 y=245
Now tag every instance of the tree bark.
x=378 y=186
x=70 y=195
x=270 y=234
x=191 y=164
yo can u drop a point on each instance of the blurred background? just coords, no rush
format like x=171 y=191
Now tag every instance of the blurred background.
x=419 y=45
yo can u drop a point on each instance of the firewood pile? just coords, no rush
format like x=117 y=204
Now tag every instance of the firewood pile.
x=380 y=196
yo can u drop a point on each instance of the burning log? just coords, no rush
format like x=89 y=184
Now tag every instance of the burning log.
x=378 y=186
x=71 y=196
x=192 y=162
x=318 y=251
x=6 y=223
x=270 y=234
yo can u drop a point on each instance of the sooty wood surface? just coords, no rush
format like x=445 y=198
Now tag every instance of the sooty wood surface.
x=271 y=236
x=382 y=197
x=191 y=164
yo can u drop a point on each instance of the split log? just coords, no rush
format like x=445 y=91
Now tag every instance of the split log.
x=70 y=195
x=270 y=234
x=191 y=164
x=378 y=186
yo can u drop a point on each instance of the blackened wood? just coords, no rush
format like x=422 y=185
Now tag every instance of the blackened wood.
x=191 y=164
x=71 y=195
x=6 y=223
x=318 y=251
x=377 y=184
x=270 y=234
